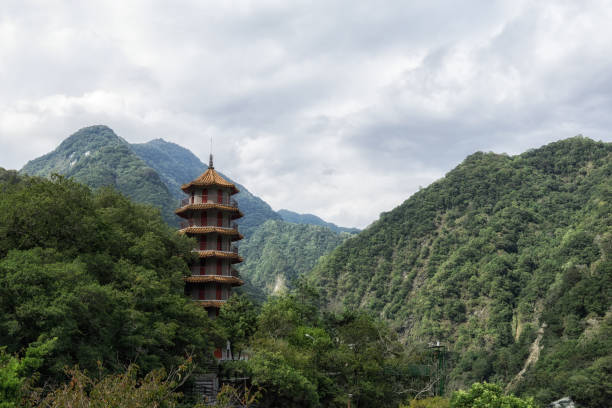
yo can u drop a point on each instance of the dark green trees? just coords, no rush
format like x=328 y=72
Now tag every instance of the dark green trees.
x=97 y=272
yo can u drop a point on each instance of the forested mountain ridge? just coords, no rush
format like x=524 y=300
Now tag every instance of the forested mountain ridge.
x=150 y=173
x=97 y=157
x=153 y=173
x=311 y=219
x=498 y=251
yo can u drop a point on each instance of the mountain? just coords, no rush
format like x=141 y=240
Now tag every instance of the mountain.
x=153 y=173
x=177 y=166
x=150 y=173
x=312 y=219
x=278 y=252
x=97 y=157
x=506 y=261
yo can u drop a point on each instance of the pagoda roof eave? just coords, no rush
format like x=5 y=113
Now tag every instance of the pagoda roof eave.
x=211 y=253
x=210 y=178
x=236 y=213
x=233 y=232
x=230 y=280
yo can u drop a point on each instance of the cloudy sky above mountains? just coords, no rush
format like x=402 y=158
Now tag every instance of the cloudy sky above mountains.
x=336 y=108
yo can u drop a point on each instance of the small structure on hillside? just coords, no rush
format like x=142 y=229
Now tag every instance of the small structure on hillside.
x=210 y=211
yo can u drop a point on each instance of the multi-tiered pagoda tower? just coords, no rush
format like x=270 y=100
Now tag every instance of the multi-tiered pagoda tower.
x=210 y=213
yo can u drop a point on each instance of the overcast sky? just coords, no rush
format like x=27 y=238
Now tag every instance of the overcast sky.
x=337 y=108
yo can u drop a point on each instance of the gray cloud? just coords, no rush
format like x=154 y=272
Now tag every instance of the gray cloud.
x=310 y=105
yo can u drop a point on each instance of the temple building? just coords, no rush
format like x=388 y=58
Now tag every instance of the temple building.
x=210 y=211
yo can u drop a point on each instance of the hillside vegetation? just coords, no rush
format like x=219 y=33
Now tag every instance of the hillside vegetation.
x=149 y=173
x=501 y=252
x=97 y=157
x=97 y=272
x=153 y=173
x=278 y=252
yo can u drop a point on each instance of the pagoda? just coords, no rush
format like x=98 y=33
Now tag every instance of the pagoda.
x=210 y=211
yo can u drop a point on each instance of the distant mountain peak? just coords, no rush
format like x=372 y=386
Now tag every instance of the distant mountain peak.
x=311 y=219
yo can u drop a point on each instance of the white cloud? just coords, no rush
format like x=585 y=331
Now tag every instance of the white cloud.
x=309 y=104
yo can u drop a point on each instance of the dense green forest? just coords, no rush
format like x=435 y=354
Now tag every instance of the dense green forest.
x=303 y=356
x=506 y=260
x=96 y=272
x=91 y=283
x=279 y=252
x=504 y=256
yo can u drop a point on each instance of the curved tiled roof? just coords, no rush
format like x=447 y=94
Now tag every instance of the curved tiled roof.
x=207 y=230
x=210 y=178
x=236 y=213
x=230 y=280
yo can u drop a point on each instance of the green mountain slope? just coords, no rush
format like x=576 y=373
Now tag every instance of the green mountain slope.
x=278 y=252
x=177 y=165
x=97 y=157
x=312 y=219
x=149 y=173
x=501 y=256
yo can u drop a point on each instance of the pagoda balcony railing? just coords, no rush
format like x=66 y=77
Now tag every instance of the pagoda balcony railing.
x=230 y=202
x=233 y=272
x=232 y=250
x=232 y=226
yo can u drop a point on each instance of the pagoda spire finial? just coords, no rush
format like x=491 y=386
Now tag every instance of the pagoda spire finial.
x=210 y=158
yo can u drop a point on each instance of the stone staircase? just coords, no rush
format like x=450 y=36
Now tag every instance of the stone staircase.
x=206 y=387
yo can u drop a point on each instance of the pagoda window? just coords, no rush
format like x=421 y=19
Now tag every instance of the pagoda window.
x=219 y=219
x=219 y=243
x=219 y=267
x=220 y=196
x=202 y=269
x=204 y=219
x=219 y=292
x=205 y=195
x=191 y=222
x=202 y=243
x=201 y=294
x=192 y=197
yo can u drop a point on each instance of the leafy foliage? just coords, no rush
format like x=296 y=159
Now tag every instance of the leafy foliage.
x=237 y=319
x=124 y=389
x=97 y=272
x=430 y=402
x=483 y=257
x=303 y=357
x=488 y=396
x=15 y=371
